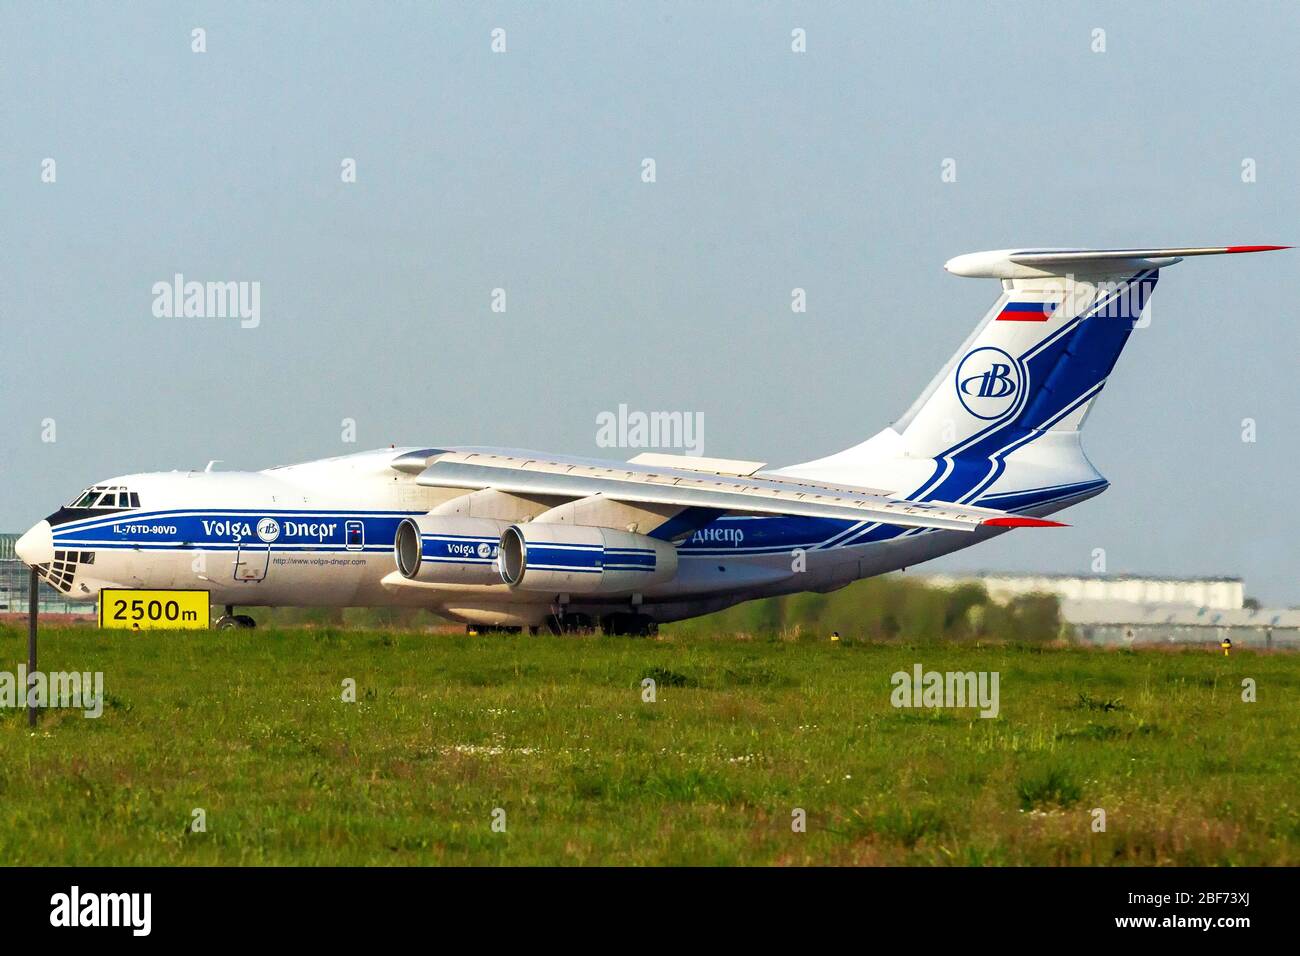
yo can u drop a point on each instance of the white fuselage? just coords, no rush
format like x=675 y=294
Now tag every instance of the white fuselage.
x=322 y=534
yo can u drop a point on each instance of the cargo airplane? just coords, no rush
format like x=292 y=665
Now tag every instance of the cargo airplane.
x=512 y=539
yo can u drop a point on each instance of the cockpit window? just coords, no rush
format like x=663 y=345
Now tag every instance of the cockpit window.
x=102 y=496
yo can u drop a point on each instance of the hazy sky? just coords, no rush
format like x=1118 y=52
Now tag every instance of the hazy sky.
x=522 y=170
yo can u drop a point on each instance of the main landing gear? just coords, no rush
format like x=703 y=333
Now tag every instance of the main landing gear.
x=629 y=625
x=621 y=625
x=231 y=620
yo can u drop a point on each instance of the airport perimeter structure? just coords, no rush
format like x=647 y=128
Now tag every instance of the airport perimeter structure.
x=1121 y=609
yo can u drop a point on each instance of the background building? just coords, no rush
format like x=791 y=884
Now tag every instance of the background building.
x=14 y=581
x=1132 y=609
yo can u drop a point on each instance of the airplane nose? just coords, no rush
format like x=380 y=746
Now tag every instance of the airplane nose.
x=37 y=545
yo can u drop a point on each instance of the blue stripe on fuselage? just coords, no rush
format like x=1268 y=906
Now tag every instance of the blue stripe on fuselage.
x=222 y=529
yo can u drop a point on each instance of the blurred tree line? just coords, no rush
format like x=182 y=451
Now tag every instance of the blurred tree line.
x=890 y=607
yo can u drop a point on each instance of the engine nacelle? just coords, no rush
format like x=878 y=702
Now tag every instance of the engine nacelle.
x=573 y=559
x=449 y=550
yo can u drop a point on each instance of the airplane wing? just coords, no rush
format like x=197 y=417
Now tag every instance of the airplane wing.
x=645 y=480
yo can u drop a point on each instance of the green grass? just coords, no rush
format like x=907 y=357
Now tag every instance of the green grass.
x=250 y=727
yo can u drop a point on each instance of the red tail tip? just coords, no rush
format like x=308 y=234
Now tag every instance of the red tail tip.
x=1018 y=522
x=1256 y=248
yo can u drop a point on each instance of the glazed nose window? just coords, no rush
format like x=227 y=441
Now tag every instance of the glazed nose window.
x=101 y=496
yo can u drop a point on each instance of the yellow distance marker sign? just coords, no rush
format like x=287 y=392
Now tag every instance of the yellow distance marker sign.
x=144 y=610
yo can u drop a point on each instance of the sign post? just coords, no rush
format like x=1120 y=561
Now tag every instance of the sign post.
x=33 y=605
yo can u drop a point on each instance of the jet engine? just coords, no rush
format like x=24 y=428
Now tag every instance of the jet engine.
x=573 y=559
x=449 y=550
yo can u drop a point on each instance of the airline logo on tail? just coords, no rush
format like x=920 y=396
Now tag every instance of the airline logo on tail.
x=988 y=383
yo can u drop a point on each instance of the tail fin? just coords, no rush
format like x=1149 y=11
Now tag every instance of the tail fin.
x=1043 y=352
x=999 y=425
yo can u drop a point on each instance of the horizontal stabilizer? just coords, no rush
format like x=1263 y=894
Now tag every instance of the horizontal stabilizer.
x=1033 y=263
x=1017 y=521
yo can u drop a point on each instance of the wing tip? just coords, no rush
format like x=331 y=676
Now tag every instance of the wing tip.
x=1019 y=521
x=1236 y=249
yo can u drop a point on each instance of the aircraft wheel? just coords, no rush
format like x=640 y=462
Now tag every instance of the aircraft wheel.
x=243 y=620
x=629 y=625
x=569 y=624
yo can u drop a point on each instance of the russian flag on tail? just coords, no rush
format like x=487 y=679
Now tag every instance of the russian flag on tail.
x=1027 y=311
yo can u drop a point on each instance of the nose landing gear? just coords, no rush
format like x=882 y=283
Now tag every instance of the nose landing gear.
x=231 y=620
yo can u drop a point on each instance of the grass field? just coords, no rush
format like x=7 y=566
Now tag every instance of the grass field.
x=445 y=729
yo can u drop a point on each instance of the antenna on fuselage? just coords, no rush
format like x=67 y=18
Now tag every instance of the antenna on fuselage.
x=211 y=463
